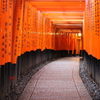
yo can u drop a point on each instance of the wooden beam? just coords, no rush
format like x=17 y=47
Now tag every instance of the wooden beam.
x=56 y=0
x=58 y=3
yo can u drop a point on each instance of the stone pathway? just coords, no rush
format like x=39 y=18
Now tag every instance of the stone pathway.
x=58 y=80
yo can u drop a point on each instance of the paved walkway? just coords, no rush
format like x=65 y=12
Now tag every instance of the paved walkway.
x=58 y=80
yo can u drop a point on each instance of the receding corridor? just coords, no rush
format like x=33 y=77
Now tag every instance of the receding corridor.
x=41 y=42
x=58 y=80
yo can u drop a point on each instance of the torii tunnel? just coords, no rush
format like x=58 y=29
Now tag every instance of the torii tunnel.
x=33 y=32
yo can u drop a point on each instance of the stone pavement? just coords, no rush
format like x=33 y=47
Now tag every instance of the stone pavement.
x=58 y=80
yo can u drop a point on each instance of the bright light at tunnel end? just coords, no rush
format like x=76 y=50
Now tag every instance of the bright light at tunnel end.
x=79 y=34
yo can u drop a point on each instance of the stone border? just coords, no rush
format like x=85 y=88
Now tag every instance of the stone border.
x=91 y=86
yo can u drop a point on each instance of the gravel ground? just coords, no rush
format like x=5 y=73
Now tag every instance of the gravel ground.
x=20 y=85
x=92 y=87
